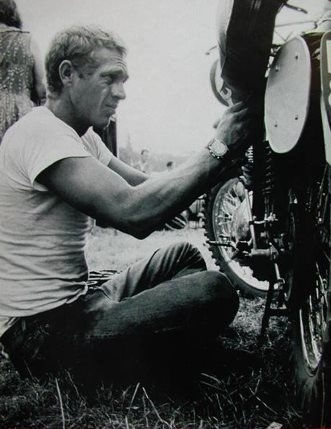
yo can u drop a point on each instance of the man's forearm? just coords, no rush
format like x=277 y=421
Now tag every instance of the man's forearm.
x=161 y=197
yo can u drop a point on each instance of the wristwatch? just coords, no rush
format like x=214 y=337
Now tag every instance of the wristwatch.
x=217 y=148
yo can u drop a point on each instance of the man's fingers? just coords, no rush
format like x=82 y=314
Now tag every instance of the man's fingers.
x=234 y=116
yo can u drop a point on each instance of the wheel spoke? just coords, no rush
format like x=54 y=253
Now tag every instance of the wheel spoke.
x=224 y=224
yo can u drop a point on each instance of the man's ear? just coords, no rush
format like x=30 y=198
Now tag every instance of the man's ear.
x=66 y=71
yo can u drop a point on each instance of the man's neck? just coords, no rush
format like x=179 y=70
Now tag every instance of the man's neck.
x=63 y=110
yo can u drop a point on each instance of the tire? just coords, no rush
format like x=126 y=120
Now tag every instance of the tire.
x=311 y=322
x=312 y=356
x=217 y=85
x=225 y=213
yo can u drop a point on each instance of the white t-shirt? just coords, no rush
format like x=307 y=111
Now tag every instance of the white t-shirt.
x=42 y=238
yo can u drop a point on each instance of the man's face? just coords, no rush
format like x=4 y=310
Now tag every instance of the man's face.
x=95 y=95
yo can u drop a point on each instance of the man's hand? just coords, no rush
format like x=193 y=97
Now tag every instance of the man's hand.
x=241 y=125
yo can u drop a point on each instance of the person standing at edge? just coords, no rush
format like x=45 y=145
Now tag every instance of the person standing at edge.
x=21 y=71
x=56 y=174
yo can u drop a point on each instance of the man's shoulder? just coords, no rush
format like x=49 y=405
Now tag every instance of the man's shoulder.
x=38 y=134
x=39 y=124
x=34 y=121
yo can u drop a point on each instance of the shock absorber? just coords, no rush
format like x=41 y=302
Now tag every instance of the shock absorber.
x=268 y=178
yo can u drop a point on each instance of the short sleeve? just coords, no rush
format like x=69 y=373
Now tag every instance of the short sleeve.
x=41 y=151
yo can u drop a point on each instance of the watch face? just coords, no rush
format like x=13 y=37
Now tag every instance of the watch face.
x=219 y=148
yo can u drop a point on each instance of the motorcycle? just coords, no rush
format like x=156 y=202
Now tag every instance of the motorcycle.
x=267 y=224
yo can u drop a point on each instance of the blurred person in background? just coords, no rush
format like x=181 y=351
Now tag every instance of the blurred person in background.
x=21 y=71
x=143 y=163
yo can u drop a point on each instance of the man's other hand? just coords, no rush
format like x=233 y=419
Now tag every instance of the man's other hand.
x=241 y=125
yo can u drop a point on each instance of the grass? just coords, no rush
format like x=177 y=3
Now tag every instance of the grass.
x=246 y=393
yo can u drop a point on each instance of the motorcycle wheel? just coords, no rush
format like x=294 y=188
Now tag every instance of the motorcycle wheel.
x=225 y=218
x=311 y=322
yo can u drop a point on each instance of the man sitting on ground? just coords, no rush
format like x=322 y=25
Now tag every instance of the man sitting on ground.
x=55 y=175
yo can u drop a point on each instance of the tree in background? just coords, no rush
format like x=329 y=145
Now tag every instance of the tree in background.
x=157 y=161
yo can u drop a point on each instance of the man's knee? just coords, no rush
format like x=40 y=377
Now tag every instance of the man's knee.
x=189 y=254
x=222 y=295
x=184 y=247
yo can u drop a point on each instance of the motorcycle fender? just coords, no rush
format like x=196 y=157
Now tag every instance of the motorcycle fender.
x=326 y=92
x=287 y=96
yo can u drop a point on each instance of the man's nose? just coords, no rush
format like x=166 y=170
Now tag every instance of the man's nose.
x=118 y=91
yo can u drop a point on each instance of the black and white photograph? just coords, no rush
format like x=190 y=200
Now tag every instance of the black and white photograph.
x=165 y=193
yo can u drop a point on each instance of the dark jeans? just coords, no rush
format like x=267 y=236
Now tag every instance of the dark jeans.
x=154 y=315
